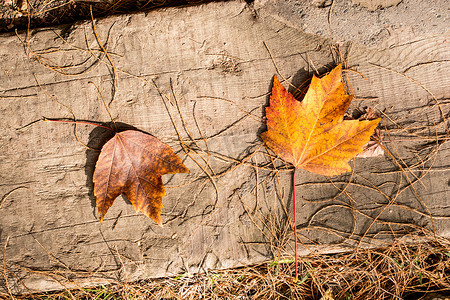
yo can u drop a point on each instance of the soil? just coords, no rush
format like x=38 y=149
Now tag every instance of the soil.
x=368 y=22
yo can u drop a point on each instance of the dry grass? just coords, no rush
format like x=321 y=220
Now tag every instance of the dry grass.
x=401 y=270
x=27 y=14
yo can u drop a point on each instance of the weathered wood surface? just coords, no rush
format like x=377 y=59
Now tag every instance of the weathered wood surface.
x=214 y=56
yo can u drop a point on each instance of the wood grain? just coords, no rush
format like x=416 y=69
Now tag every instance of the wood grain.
x=214 y=61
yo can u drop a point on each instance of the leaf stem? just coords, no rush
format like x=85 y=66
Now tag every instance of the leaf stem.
x=77 y=122
x=295 y=226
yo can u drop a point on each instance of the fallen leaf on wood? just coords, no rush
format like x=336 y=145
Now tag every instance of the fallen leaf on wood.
x=312 y=134
x=371 y=149
x=132 y=163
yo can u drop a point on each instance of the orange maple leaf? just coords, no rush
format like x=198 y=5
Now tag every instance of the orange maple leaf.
x=312 y=134
x=132 y=163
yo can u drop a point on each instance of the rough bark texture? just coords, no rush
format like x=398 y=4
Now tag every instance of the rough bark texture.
x=213 y=64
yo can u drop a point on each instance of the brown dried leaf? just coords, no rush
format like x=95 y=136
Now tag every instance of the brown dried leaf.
x=132 y=163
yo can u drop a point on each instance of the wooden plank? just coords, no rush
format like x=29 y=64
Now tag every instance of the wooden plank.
x=226 y=213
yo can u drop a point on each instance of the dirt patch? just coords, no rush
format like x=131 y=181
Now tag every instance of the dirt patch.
x=368 y=22
x=377 y=4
